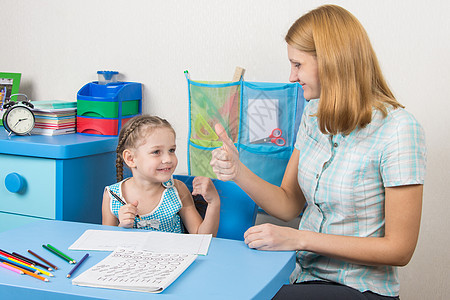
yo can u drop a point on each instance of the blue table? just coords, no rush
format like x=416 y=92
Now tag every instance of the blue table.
x=230 y=270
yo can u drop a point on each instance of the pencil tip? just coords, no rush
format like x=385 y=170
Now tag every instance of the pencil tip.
x=68 y=275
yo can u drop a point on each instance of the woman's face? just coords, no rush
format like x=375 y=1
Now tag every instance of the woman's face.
x=304 y=70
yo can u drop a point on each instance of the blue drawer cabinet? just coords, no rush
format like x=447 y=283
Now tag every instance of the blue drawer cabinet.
x=54 y=177
x=39 y=178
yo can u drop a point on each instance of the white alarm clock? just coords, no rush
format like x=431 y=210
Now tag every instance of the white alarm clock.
x=18 y=117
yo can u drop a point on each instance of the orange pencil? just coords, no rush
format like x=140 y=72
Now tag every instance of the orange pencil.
x=29 y=273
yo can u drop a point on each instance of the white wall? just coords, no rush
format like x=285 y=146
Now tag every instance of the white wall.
x=59 y=45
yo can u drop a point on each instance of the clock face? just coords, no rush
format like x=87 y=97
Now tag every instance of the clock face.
x=19 y=120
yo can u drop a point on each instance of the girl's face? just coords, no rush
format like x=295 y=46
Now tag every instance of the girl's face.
x=155 y=159
x=304 y=70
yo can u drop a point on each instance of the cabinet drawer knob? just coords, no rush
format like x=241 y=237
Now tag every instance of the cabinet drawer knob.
x=15 y=183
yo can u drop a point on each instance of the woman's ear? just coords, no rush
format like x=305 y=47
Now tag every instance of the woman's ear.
x=128 y=158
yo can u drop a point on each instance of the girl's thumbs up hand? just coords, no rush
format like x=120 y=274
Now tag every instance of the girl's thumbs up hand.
x=225 y=160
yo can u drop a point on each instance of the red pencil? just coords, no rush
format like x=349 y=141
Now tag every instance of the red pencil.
x=4 y=253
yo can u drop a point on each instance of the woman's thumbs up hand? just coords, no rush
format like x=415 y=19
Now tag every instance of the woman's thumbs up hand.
x=225 y=160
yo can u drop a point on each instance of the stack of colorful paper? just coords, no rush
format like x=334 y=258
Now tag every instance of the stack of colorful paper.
x=54 y=117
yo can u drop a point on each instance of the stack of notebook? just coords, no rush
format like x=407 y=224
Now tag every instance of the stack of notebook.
x=54 y=117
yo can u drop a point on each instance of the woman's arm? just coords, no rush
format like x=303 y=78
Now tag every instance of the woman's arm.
x=403 y=207
x=285 y=202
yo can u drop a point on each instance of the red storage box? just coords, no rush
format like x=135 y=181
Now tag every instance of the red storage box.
x=99 y=126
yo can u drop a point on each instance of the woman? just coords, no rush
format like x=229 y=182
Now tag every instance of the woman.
x=358 y=164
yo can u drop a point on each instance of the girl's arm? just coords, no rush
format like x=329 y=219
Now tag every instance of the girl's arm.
x=205 y=187
x=108 y=218
x=188 y=213
x=403 y=207
x=285 y=202
x=127 y=213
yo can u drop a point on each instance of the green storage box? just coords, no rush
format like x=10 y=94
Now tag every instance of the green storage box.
x=104 y=109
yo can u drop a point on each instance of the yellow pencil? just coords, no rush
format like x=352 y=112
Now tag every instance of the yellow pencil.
x=23 y=264
x=42 y=271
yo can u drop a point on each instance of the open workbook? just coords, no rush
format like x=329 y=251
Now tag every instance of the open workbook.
x=136 y=270
x=156 y=241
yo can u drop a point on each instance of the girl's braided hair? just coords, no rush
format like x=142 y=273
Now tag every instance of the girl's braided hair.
x=132 y=134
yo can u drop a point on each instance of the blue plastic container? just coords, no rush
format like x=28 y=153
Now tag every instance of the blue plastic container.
x=117 y=92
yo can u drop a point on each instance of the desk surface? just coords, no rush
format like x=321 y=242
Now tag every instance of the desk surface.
x=63 y=146
x=230 y=270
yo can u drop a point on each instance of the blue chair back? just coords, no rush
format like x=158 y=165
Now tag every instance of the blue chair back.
x=237 y=209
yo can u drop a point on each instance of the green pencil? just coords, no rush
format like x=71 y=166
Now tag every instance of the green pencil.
x=58 y=253
x=71 y=260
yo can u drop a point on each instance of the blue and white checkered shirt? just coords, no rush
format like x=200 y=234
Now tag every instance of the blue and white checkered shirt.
x=164 y=217
x=343 y=179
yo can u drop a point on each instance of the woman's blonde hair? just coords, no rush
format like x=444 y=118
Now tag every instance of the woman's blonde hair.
x=132 y=134
x=349 y=72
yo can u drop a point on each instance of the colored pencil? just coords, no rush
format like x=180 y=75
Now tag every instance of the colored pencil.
x=4 y=265
x=18 y=264
x=121 y=200
x=42 y=271
x=18 y=256
x=33 y=261
x=59 y=254
x=42 y=259
x=77 y=265
x=31 y=273
x=7 y=254
x=32 y=266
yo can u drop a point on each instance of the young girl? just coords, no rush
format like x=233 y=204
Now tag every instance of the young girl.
x=151 y=199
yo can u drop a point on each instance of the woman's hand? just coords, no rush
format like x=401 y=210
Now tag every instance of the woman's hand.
x=205 y=187
x=225 y=160
x=127 y=213
x=271 y=237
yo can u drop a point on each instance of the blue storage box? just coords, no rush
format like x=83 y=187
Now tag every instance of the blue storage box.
x=111 y=103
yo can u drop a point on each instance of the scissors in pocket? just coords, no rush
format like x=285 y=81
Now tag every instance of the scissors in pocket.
x=274 y=137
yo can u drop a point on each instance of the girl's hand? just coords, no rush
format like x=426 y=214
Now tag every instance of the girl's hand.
x=205 y=187
x=127 y=213
x=272 y=237
x=225 y=160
